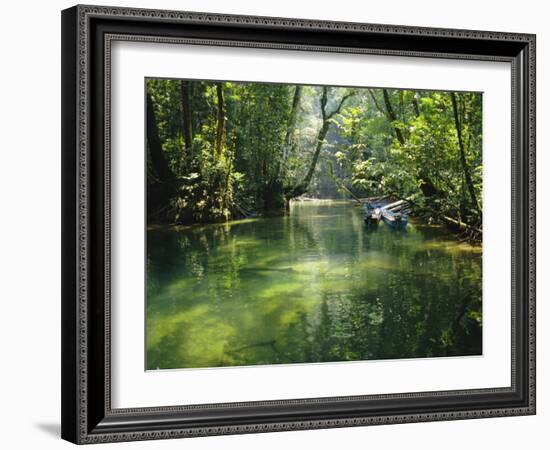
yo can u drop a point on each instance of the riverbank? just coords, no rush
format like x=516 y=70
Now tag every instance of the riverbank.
x=406 y=207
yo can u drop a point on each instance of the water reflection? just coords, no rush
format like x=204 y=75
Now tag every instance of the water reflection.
x=312 y=286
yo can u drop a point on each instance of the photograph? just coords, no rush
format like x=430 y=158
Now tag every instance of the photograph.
x=276 y=220
x=290 y=223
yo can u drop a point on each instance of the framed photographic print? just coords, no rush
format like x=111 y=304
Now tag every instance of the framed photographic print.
x=280 y=224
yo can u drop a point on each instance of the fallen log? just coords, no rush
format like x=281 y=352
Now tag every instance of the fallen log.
x=399 y=204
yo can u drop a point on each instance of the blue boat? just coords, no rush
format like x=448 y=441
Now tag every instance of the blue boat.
x=397 y=221
x=372 y=213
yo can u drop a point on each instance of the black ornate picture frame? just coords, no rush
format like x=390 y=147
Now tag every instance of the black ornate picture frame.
x=87 y=34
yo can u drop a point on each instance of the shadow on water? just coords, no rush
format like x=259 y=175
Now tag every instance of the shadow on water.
x=312 y=286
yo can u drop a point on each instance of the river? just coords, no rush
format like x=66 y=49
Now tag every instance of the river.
x=311 y=286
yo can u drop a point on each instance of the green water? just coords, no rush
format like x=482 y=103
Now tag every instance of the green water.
x=312 y=286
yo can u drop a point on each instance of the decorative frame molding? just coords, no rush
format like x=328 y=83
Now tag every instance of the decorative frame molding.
x=87 y=34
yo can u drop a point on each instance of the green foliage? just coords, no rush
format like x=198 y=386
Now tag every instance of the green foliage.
x=258 y=121
x=426 y=167
x=251 y=146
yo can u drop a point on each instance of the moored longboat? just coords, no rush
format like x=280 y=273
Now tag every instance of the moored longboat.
x=372 y=214
x=395 y=220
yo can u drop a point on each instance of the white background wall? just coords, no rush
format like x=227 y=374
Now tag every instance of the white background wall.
x=30 y=229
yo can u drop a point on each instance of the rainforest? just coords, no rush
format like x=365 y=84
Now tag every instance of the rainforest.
x=271 y=223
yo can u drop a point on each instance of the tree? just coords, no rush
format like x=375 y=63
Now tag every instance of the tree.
x=187 y=125
x=465 y=168
x=302 y=186
x=289 y=136
x=220 y=119
x=220 y=150
x=426 y=184
x=160 y=178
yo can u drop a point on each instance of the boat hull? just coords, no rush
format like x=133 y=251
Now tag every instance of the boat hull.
x=371 y=221
x=395 y=222
x=372 y=215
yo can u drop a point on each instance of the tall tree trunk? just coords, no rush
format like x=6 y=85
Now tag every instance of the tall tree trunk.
x=416 y=106
x=161 y=184
x=289 y=136
x=401 y=105
x=158 y=162
x=465 y=167
x=302 y=187
x=389 y=112
x=426 y=184
x=187 y=126
x=220 y=120
x=392 y=116
x=320 y=142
